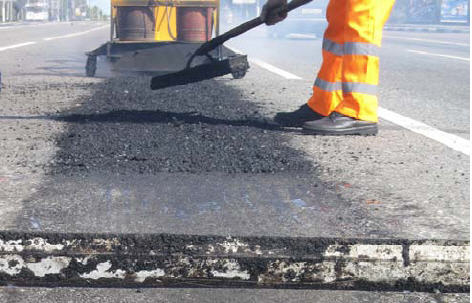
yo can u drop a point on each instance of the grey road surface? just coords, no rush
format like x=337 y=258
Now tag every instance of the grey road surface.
x=107 y=154
x=81 y=295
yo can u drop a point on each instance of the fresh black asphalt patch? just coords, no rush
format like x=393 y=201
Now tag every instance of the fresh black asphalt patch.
x=196 y=129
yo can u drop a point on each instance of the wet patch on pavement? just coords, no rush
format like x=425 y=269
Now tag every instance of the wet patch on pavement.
x=282 y=204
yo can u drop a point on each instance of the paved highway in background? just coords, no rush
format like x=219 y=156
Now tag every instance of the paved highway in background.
x=106 y=154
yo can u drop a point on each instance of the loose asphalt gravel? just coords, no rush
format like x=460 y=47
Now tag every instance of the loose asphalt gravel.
x=180 y=130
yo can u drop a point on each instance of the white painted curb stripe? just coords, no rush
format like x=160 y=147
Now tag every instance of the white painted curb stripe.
x=3 y=48
x=426 y=40
x=75 y=34
x=455 y=142
x=269 y=67
x=436 y=55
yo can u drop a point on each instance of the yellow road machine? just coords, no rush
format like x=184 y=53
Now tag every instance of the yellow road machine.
x=159 y=36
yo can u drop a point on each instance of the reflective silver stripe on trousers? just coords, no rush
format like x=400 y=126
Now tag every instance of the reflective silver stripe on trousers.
x=346 y=87
x=333 y=47
x=351 y=48
x=328 y=86
x=356 y=87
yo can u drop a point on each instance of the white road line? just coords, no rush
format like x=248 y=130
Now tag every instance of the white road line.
x=455 y=142
x=75 y=34
x=426 y=40
x=419 y=52
x=3 y=48
x=269 y=67
x=28 y=25
x=275 y=70
x=45 y=24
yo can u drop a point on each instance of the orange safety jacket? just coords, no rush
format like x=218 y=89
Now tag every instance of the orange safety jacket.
x=348 y=79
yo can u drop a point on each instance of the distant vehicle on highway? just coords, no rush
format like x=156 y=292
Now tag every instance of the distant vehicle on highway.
x=37 y=10
x=309 y=20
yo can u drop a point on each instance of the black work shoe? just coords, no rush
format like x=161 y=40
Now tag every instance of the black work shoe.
x=338 y=124
x=296 y=118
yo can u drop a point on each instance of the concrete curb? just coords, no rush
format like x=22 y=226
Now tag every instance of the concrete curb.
x=51 y=259
x=427 y=28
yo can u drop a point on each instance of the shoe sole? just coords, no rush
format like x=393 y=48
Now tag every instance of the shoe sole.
x=354 y=131
x=290 y=123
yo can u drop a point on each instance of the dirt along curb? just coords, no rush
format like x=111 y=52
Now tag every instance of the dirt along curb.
x=165 y=260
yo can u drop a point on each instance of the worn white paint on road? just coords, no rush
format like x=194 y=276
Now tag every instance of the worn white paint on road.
x=425 y=40
x=217 y=259
x=75 y=34
x=455 y=142
x=4 y=48
x=419 y=52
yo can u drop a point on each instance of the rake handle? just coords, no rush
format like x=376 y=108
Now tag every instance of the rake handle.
x=241 y=29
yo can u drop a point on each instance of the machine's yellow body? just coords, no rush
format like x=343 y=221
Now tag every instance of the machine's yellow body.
x=165 y=15
x=166 y=23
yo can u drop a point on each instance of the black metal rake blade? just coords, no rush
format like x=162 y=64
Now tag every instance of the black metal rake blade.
x=201 y=72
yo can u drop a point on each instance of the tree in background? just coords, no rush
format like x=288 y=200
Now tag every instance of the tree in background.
x=95 y=13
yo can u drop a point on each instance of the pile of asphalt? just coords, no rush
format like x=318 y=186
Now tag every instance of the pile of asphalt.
x=124 y=127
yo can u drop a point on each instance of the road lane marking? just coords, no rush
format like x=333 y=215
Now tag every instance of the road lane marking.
x=26 y=25
x=437 y=55
x=302 y=36
x=268 y=66
x=44 y=24
x=75 y=34
x=3 y=48
x=426 y=40
x=452 y=141
x=455 y=142
x=275 y=70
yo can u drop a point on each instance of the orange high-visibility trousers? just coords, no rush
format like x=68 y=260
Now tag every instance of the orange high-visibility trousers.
x=349 y=75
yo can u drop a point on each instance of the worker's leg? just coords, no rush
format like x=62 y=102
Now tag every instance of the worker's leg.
x=327 y=90
x=362 y=37
x=348 y=79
